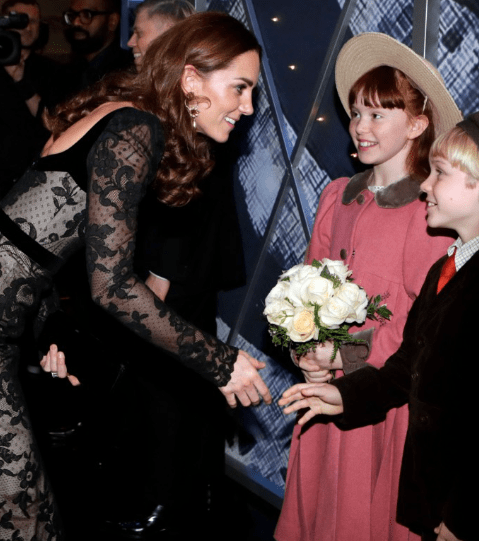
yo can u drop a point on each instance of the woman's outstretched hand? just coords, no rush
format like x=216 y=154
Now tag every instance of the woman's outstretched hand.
x=246 y=384
x=321 y=399
x=54 y=362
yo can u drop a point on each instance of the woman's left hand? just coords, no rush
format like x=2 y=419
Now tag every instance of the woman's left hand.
x=246 y=384
x=54 y=362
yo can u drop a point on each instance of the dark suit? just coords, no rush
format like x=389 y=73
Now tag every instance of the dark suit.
x=436 y=374
x=23 y=135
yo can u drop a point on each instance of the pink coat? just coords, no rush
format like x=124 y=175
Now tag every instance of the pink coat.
x=342 y=486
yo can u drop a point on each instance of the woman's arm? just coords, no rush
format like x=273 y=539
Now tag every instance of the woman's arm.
x=159 y=286
x=121 y=165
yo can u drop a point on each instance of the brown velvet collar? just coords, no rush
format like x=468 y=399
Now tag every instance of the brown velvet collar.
x=394 y=196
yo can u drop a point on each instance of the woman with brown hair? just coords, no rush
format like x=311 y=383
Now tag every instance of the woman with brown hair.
x=108 y=145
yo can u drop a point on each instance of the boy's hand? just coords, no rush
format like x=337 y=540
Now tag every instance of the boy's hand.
x=321 y=399
x=444 y=533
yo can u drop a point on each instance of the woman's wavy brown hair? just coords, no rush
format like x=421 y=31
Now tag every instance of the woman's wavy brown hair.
x=209 y=41
x=392 y=89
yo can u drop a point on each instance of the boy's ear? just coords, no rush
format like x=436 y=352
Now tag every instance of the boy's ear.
x=418 y=125
x=190 y=80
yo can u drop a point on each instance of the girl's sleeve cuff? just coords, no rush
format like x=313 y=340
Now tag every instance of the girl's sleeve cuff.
x=354 y=355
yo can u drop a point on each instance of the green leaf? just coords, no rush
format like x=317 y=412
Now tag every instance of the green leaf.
x=376 y=312
x=332 y=277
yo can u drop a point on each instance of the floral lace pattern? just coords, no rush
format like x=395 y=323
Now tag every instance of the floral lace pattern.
x=49 y=206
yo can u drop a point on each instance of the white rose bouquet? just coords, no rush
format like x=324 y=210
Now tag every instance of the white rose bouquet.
x=318 y=302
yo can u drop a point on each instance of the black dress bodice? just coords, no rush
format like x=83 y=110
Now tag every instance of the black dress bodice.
x=89 y=195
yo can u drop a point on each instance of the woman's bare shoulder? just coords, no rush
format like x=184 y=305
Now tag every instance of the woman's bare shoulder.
x=75 y=132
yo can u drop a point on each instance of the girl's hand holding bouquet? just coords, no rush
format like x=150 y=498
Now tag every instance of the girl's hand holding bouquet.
x=316 y=304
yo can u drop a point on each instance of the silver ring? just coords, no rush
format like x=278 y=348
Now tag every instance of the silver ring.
x=54 y=374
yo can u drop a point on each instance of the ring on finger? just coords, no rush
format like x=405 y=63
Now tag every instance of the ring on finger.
x=54 y=374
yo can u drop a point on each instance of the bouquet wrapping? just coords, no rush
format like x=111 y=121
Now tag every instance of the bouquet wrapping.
x=318 y=302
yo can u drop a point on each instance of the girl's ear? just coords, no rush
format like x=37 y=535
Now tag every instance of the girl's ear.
x=190 y=80
x=418 y=125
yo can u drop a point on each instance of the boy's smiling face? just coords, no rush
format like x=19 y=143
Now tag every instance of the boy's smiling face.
x=452 y=199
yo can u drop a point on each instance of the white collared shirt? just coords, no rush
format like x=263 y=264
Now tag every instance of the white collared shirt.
x=464 y=252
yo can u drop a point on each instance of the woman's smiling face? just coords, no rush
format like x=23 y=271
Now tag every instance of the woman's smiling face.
x=228 y=94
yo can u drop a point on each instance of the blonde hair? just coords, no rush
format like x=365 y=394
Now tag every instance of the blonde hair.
x=460 y=151
x=173 y=11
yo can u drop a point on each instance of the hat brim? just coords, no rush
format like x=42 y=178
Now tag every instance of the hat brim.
x=370 y=50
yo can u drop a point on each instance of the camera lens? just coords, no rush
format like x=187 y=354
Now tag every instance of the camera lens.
x=9 y=47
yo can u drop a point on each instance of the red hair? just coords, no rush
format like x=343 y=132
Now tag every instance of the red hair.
x=389 y=88
x=209 y=41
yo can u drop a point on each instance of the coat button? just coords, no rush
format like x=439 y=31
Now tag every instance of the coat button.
x=423 y=419
x=414 y=376
x=420 y=342
x=360 y=199
x=343 y=254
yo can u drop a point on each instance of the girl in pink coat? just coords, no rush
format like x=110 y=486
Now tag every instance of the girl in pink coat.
x=342 y=486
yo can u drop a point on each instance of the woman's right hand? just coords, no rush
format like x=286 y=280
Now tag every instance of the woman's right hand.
x=54 y=362
x=246 y=384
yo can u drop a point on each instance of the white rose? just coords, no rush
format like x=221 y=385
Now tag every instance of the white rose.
x=292 y=271
x=334 y=312
x=307 y=272
x=294 y=292
x=338 y=268
x=317 y=290
x=357 y=299
x=278 y=312
x=297 y=282
x=302 y=327
x=279 y=292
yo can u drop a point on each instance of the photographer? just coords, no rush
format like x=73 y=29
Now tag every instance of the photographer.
x=26 y=88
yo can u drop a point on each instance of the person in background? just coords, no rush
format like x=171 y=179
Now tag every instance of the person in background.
x=26 y=88
x=92 y=30
x=153 y=17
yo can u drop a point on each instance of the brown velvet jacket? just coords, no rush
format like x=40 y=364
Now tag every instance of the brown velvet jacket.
x=435 y=373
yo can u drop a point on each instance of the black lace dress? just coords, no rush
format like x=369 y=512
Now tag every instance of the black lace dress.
x=86 y=196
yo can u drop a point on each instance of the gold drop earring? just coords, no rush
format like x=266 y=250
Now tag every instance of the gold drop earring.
x=193 y=110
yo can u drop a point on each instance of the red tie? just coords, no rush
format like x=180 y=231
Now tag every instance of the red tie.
x=447 y=272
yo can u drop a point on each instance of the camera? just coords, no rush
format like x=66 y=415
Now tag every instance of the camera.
x=10 y=46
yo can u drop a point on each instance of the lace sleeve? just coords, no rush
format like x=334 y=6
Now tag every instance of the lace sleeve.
x=121 y=164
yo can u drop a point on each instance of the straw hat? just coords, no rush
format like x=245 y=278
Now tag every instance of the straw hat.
x=367 y=51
